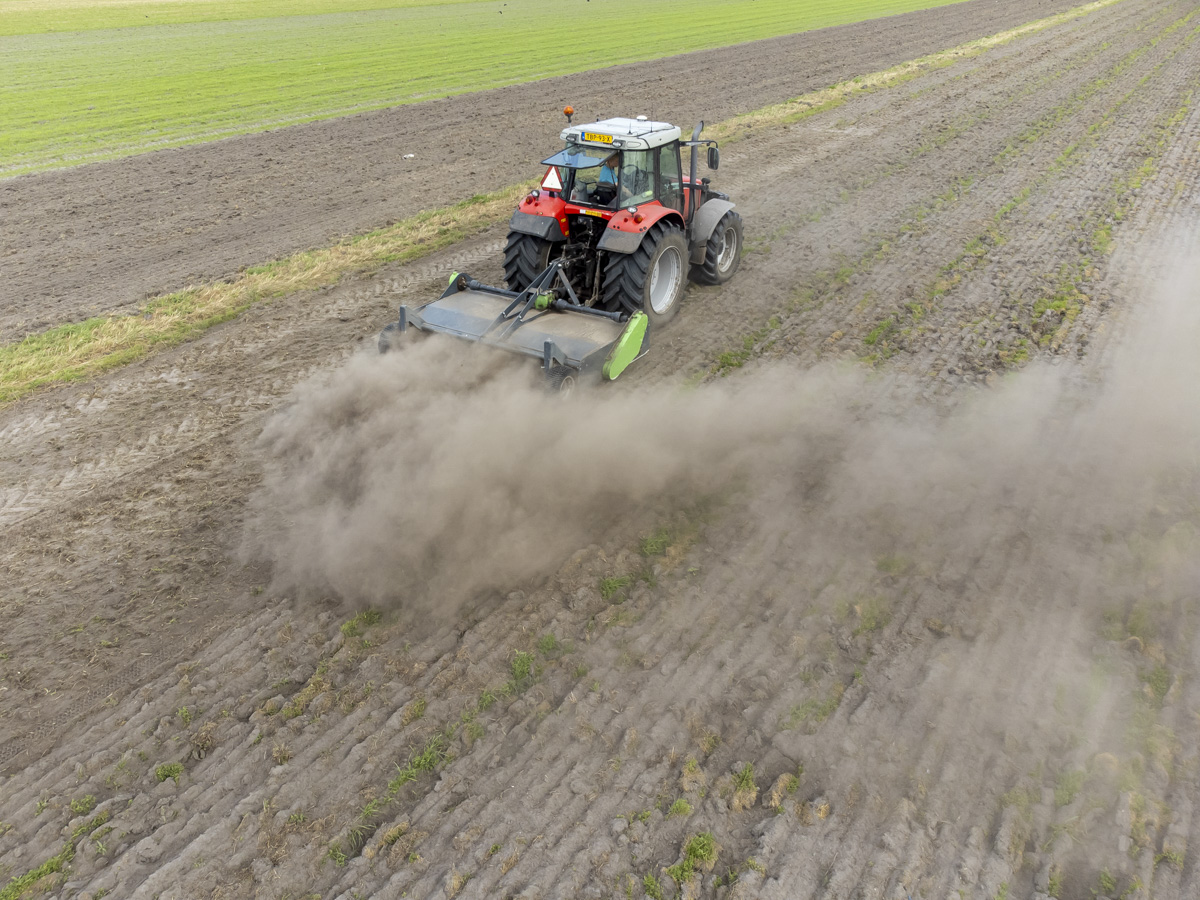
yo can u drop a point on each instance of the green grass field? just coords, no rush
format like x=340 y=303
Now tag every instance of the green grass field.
x=82 y=80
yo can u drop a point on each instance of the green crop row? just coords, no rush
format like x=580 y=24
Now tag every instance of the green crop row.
x=88 y=93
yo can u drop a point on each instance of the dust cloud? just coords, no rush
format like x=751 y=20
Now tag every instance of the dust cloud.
x=425 y=476
x=428 y=476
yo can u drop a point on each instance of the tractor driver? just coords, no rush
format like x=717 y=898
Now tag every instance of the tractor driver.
x=606 y=183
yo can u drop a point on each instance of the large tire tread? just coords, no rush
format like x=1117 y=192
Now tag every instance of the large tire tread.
x=626 y=274
x=525 y=258
x=707 y=272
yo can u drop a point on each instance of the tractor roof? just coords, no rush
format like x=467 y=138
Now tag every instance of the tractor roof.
x=623 y=134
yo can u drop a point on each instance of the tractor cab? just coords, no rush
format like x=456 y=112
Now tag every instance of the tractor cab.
x=618 y=163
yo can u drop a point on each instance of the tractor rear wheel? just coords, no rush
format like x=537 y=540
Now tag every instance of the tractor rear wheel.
x=652 y=278
x=723 y=253
x=525 y=258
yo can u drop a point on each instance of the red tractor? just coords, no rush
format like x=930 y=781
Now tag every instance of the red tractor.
x=615 y=207
x=609 y=238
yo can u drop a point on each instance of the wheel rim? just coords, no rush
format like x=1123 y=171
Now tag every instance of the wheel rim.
x=664 y=280
x=566 y=387
x=728 y=251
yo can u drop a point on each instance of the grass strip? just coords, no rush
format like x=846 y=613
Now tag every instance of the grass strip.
x=80 y=350
x=803 y=107
x=77 y=351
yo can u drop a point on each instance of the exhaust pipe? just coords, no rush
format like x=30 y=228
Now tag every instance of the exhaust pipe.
x=692 y=185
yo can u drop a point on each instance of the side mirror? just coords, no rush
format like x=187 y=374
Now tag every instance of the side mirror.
x=714 y=157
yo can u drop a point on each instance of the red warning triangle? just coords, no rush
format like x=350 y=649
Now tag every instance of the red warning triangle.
x=552 y=182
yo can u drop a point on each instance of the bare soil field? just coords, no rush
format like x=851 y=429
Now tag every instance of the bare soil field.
x=877 y=578
x=102 y=238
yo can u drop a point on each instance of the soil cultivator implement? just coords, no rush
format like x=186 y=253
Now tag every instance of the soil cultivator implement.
x=598 y=257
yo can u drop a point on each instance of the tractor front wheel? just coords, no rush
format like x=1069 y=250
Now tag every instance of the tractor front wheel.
x=652 y=278
x=525 y=258
x=723 y=253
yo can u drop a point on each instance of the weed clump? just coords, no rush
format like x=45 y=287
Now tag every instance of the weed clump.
x=1068 y=787
x=1158 y=683
x=169 y=770
x=430 y=757
x=523 y=670
x=361 y=622
x=393 y=834
x=613 y=585
x=745 y=791
x=204 y=740
x=299 y=703
x=873 y=615
x=699 y=853
x=549 y=646
x=785 y=785
x=680 y=808
x=415 y=710
x=337 y=854
x=81 y=806
x=656 y=544
x=814 y=711
x=692 y=777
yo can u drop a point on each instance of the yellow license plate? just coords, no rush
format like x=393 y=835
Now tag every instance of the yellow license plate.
x=593 y=212
x=597 y=138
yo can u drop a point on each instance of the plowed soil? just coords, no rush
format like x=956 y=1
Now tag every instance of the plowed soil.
x=102 y=238
x=880 y=571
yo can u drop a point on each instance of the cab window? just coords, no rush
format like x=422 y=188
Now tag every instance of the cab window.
x=669 y=177
x=637 y=177
x=588 y=174
x=595 y=186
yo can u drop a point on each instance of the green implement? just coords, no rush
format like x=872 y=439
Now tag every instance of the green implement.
x=546 y=321
x=628 y=346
